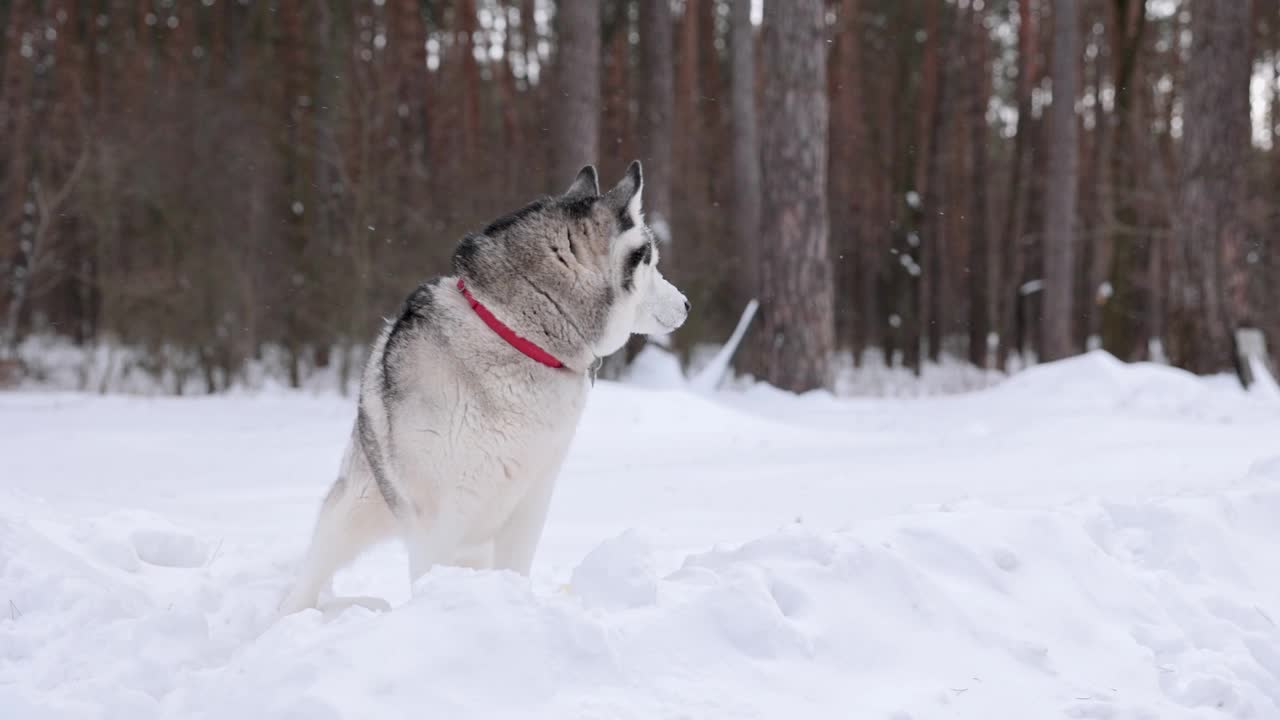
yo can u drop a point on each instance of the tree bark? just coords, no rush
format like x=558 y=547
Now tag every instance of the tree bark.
x=1064 y=170
x=915 y=246
x=657 y=100
x=845 y=175
x=793 y=343
x=744 y=207
x=1124 y=316
x=17 y=129
x=979 y=248
x=617 y=137
x=536 y=104
x=1269 y=295
x=711 y=120
x=470 y=168
x=576 y=106
x=935 y=227
x=1094 y=258
x=1013 y=260
x=295 y=148
x=1210 y=290
x=687 y=164
x=512 y=130
x=411 y=60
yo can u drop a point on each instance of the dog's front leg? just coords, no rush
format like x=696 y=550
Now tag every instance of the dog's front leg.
x=476 y=557
x=517 y=541
x=430 y=543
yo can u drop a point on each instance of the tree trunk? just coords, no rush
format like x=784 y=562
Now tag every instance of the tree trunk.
x=915 y=245
x=935 y=226
x=1210 y=291
x=469 y=163
x=1124 y=316
x=1013 y=261
x=617 y=141
x=844 y=176
x=16 y=128
x=687 y=165
x=294 y=145
x=1064 y=169
x=536 y=113
x=1269 y=295
x=793 y=343
x=711 y=121
x=411 y=37
x=744 y=209
x=1094 y=257
x=513 y=136
x=979 y=249
x=656 y=108
x=576 y=116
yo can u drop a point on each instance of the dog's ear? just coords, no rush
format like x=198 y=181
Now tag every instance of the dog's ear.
x=625 y=196
x=587 y=184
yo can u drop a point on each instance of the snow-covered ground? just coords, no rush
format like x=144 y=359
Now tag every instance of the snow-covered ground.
x=1087 y=539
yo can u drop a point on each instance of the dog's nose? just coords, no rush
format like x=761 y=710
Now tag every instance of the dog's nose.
x=686 y=307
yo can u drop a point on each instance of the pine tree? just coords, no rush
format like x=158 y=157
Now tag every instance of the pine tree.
x=793 y=343
x=1060 y=217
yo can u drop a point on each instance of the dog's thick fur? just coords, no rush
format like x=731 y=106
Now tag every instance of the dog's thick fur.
x=459 y=436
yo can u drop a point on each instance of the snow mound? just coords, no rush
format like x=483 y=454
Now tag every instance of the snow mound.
x=618 y=574
x=1157 y=609
x=1099 y=381
x=126 y=540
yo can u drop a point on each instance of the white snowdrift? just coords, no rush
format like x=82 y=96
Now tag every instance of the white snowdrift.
x=1087 y=540
x=1101 y=610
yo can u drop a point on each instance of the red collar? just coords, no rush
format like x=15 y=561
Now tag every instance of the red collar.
x=525 y=346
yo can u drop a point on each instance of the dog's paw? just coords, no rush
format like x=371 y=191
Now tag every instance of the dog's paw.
x=294 y=603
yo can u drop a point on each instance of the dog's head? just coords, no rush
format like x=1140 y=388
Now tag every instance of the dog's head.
x=579 y=269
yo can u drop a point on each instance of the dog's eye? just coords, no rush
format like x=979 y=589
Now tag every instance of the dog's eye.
x=637 y=256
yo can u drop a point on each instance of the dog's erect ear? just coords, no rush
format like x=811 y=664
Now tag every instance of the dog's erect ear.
x=587 y=184
x=626 y=194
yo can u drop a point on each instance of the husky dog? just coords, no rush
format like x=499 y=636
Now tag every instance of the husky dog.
x=471 y=395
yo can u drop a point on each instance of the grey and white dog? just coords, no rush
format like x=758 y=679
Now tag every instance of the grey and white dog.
x=471 y=395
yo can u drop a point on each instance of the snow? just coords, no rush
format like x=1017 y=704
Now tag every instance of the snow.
x=1086 y=539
